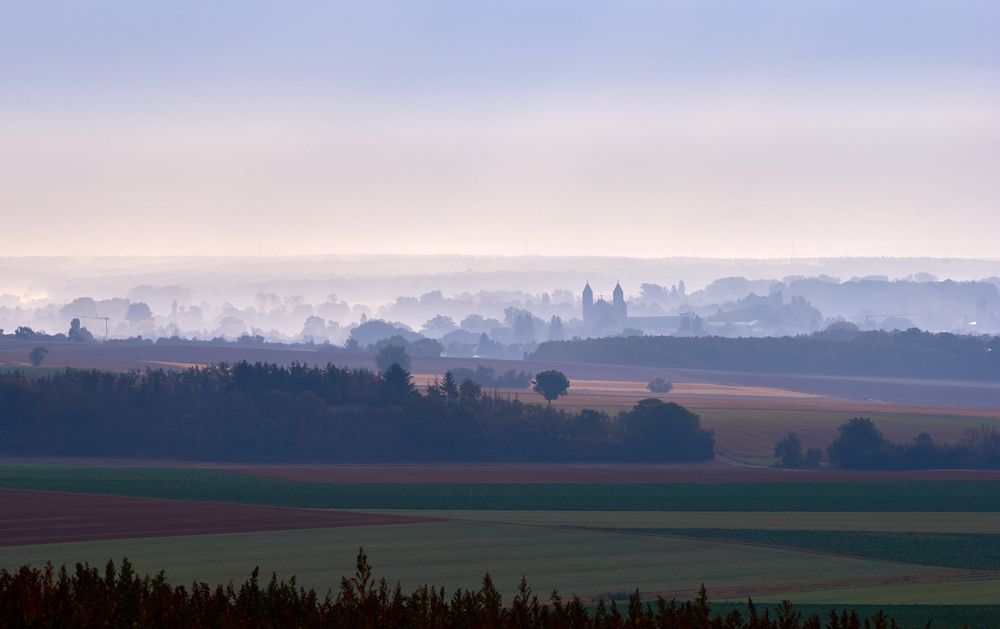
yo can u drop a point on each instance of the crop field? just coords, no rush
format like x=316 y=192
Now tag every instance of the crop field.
x=831 y=543
x=519 y=474
x=751 y=434
x=975 y=551
x=897 y=522
x=220 y=486
x=28 y=517
x=748 y=420
x=584 y=562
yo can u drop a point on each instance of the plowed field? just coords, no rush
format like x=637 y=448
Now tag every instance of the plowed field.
x=38 y=517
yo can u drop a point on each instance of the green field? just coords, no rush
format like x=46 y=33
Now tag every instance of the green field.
x=823 y=544
x=892 y=521
x=957 y=550
x=584 y=562
x=201 y=484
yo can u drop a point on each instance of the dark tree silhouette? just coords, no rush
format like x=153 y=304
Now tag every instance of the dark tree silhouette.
x=860 y=445
x=396 y=385
x=789 y=452
x=392 y=355
x=469 y=391
x=449 y=387
x=138 y=312
x=551 y=384
x=658 y=430
x=78 y=333
x=24 y=332
x=266 y=412
x=659 y=385
x=37 y=355
x=119 y=596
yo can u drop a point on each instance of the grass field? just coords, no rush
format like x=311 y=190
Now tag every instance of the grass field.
x=749 y=420
x=585 y=562
x=830 y=544
x=200 y=484
x=750 y=435
x=975 y=551
x=900 y=522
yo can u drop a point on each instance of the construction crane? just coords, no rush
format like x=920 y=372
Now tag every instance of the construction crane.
x=107 y=324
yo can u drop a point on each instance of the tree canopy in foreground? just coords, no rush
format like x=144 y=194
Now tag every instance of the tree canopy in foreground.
x=119 y=597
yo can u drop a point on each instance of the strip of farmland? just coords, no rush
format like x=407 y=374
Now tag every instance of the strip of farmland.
x=35 y=517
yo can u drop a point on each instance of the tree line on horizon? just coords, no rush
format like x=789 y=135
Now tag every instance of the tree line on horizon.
x=860 y=445
x=266 y=412
x=838 y=350
x=120 y=597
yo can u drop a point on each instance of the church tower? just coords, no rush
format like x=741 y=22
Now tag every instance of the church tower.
x=588 y=303
x=618 y=304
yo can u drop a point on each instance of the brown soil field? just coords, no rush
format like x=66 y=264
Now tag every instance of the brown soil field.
x=617 y=474
x=38 y=517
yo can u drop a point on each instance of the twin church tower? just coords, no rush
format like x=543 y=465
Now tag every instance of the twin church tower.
x=600 y=311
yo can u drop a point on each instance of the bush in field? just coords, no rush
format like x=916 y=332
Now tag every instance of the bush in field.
x=37 y=356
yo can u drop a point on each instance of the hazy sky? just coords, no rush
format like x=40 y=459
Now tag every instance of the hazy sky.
x=623 y=127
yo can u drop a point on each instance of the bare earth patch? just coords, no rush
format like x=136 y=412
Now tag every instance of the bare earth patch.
x=41 y=517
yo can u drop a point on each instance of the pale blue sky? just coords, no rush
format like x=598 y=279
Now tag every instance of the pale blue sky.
x=629 y=128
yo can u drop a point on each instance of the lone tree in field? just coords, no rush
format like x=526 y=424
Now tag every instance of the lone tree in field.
x=37 y=355
x=659 y=385
x=551 y=384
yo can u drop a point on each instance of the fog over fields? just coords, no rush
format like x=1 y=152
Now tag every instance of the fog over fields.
x=321 y=298
x=535 y=315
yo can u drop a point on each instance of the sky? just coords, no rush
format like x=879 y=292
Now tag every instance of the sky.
x=628 y=128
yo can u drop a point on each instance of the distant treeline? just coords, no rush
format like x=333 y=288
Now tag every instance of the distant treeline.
x=843 y=351
x=266 y=412
x=119 y=597
x=860 y=445
x=489 y=378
